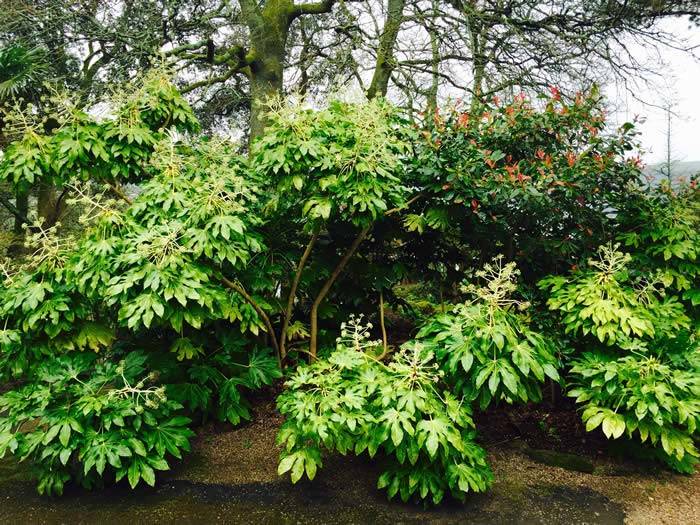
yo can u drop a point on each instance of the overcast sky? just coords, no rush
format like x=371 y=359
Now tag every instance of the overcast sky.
x=681 y=82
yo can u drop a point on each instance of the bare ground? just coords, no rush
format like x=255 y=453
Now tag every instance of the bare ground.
x=231 y=477
x=656 y=496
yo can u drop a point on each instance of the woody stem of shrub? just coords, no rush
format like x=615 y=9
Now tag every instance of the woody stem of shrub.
x=313 y=344
x=292 y=293
x=119 y=192
x=261 y=313
x=385 y=345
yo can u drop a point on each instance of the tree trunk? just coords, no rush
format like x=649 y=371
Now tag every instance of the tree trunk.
x=263 y=62
x=269 y=30
x=385 y=54
x=434 y=63
x=265 y=84
x=305 y=60
x=22 y=205
x=46 y=203
x=477 y=34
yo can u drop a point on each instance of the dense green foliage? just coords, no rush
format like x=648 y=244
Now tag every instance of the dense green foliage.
x=186 y=270
x=606 y=301
x=532 y=180
x=338 y=163
x=80 y=418
x=148 y=272
x=645 y=381
x=70 y=143
x=22 y=71
x=354 y=403
x=485 y=345
x=652 y=394
x=664 y=235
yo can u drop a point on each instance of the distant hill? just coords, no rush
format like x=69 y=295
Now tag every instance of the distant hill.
x=679 y=170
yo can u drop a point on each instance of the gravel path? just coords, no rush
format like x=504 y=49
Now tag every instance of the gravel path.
x=231 y=478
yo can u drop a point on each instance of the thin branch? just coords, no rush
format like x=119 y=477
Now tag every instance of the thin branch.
x=313 y=344
x=293 y=292
x=266 y=320
x=119 y=192
x=403 y=206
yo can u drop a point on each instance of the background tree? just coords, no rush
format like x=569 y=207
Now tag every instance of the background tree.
x=22 y=74
x=665 y=168
x=232 y=55
x=489 y=47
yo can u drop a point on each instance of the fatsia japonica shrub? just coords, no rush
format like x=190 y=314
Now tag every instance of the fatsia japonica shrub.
x=607 y=302
x=43 y=311
x=70 y=142
x=354 y=403
x=82 y=418
x=532 y=179
x=333 y=174
x=338 y=163
x=167 y=257
x=485 y=345
x=652 y=394
x=160 y=271
x=662 y=231
x=638 y=375
x=159 y=263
